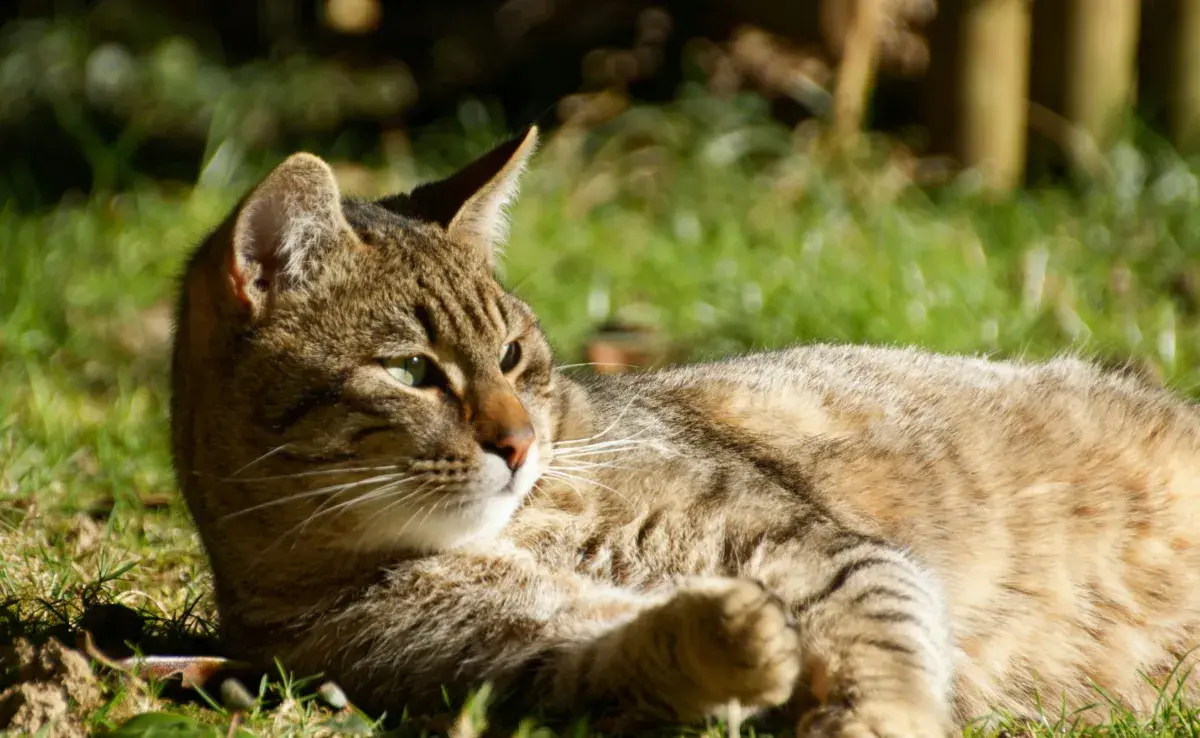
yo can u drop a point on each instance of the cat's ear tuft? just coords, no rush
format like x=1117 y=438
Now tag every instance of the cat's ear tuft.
x=279 y=228
x=471 y=203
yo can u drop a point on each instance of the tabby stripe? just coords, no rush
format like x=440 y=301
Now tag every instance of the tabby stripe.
x=893 y=616
x=442 y=307
x=885 y=645
x=318 y=398
x=878 y=590
x=426 y=320
x=363 y=434
x=648 y=525
x=844 y=542
x=839 y=580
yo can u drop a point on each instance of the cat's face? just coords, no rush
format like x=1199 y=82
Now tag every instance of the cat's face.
x=383 y=388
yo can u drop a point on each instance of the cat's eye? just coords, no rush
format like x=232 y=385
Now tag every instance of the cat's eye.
x=510 y=354
x=412 y=371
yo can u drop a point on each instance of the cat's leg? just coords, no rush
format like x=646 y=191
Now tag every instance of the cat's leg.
x=713 y=641
x=876 y=641
x=561 y=642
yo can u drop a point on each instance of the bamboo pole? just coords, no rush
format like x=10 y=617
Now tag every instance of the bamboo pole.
x=1184 y=107
x=856 y=74
x=994 y=83
x=1101 y=64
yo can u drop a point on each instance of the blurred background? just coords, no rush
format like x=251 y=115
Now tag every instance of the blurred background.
x=97 y=94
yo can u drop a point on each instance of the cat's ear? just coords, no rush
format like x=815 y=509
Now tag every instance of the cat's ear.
x=279 y=228
x=470 y=204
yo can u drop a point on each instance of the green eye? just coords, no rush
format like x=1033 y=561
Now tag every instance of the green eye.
x=510 y=354
x=408 y=370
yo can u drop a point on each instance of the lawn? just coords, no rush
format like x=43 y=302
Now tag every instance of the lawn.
x=704 y=219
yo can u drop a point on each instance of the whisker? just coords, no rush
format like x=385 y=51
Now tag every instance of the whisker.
x=403 y=528
x=586 y=465
x=570 y=445
x=330 y=490
x=601 y=451
x=407 y=497
x=381 y=491
x=567 y=481
x=265 y=456
x=611 y=425
x=596 y=363
x=313 y=473
x=561 y=475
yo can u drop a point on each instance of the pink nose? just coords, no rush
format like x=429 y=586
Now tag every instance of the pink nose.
x=512 y=445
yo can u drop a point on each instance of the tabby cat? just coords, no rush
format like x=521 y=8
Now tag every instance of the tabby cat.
x=396 y=487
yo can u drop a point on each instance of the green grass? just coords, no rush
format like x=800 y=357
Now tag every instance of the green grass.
x=703 y=218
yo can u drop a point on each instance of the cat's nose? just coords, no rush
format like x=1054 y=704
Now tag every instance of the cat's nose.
x=502 y=427
x=512 y=446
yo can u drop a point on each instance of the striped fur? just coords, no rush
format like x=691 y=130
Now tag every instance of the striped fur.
x=887 y=542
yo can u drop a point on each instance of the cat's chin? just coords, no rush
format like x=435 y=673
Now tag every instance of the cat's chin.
x=460 y=523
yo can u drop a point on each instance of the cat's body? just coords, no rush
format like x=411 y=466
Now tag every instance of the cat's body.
x=906 y=540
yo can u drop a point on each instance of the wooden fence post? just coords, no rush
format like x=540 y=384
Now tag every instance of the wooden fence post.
x=856 y=73
x=994 y=80
x=1101 y=65
x=1184 y=106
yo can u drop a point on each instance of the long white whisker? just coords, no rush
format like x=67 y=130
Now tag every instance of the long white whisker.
x=265 y=456
x=586 y=465
x=557 y=474
x=596 y=363
x=565 y=480
x=314 y=473
x=611 y=425
x=400 y=533
x=334 y=490
x=602 y=451
x=406 y=496
x=599 y=444
x=381 y=491
x=389 y=484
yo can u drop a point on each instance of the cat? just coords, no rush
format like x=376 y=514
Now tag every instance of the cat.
x=397 y=488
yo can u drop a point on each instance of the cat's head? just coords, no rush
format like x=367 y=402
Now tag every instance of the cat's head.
x=350 y=373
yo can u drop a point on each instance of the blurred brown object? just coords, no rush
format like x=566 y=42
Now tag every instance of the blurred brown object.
x=1102 y=37
x=616 y=348
x=856 y=74
x=778 y=66
x=896 y=27
x=994 y=89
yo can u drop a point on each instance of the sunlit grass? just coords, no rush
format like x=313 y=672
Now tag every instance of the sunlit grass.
x=703 y=219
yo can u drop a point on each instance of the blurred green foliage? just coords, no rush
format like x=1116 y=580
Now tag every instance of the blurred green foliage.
x=97 y=89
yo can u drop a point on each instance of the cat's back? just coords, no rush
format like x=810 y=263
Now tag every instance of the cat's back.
x=907 y=394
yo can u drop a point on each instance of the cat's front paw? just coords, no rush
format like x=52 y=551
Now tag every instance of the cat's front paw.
x=735 y=641
x=876 y=719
